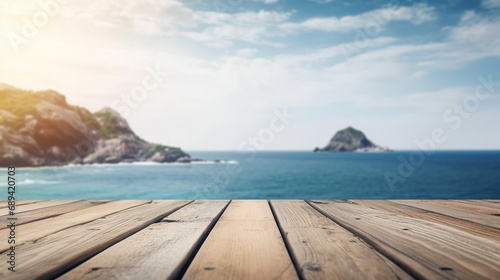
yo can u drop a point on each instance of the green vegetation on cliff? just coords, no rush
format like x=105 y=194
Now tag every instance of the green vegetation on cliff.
x=87 y=118
x=110 y=127
x=19 y=104
x=41 y=128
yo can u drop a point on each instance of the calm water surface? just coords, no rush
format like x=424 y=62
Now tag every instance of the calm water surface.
x=276 y=175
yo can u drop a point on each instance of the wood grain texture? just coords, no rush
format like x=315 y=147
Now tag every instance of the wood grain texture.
x=449 y=209
x=493 y=201
x=3 y=203
x=52 y=255
x=425 y=250
x=324 y=250
x=474 y=206
x=156 y=252
x=417 y=213
x=244 y=244
x=20 y=208
x=485 y=203
x=48 y=212
x=36 y=230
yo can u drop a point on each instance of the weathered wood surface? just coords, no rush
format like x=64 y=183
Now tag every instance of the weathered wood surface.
x=426 y=250
x=484 y=208
x=282 y=239
x=21 y=202
x=22 y=207
x=244 y=244
x=467 y=226
x=51 y=211
x=452 y=210
x=485 y=203
x=36 y=230
x=52 y=255
x=137 y=257
x=324 y=250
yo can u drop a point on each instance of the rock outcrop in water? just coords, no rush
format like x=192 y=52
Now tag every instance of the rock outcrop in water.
x=350 y=140
x=42 y=129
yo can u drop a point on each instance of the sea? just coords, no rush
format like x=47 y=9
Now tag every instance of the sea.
x=274 y=175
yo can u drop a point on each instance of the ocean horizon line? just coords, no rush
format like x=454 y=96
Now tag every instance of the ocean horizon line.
x=311 y=151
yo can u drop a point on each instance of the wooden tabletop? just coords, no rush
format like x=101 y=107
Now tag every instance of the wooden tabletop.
x=252 y=239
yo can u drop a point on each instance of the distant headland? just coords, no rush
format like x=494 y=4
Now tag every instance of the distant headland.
x=351 y=140
x=42 y=129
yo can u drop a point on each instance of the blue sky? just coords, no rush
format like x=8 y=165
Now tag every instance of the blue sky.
x=397 y=70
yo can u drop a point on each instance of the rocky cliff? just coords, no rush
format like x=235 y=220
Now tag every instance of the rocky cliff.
x=41 y=128
x=350 y=140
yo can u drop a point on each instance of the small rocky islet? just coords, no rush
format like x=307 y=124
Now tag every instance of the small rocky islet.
x=351 y=140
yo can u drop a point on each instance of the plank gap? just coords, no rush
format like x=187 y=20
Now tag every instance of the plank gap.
x=367 y=240
x=287 y=243
x=19 y=202
x=436 y=206
x=103 y=217
x=433 y=217
x=244 y=244
x=31 y=216
x=88 y=254
x=197 y=247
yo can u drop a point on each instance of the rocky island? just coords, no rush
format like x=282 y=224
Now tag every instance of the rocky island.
x=42 y=129
x=350 y=140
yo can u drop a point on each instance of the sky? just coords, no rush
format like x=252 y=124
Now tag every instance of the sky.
x=268 y=74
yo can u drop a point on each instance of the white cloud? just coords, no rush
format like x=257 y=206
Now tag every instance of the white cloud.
x=337 y=51
x=322 y=1
x=221 y=29
x=174 y=18
x=419 y=73
x=379 y=19
x=261 y=27
x=490 y=4
x=267 y=1
x=246 y=52
x=472 y=39
x=148 y=17
x=254 y=27
x=476 y=30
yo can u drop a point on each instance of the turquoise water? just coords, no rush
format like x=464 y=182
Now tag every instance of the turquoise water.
x=275 y=175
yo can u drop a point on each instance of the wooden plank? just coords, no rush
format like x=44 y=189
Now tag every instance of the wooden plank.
x=417 y=213
x=493 y=200
x=53 y=255
x=472 y=207
x=244 y=244
x=438 y=206
x=425 y=250
x=156 y=252
x=36 y=215
x=324 y=250
x=3 y=203
x=483 y=203
x=36 y=230
x=39 y=205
